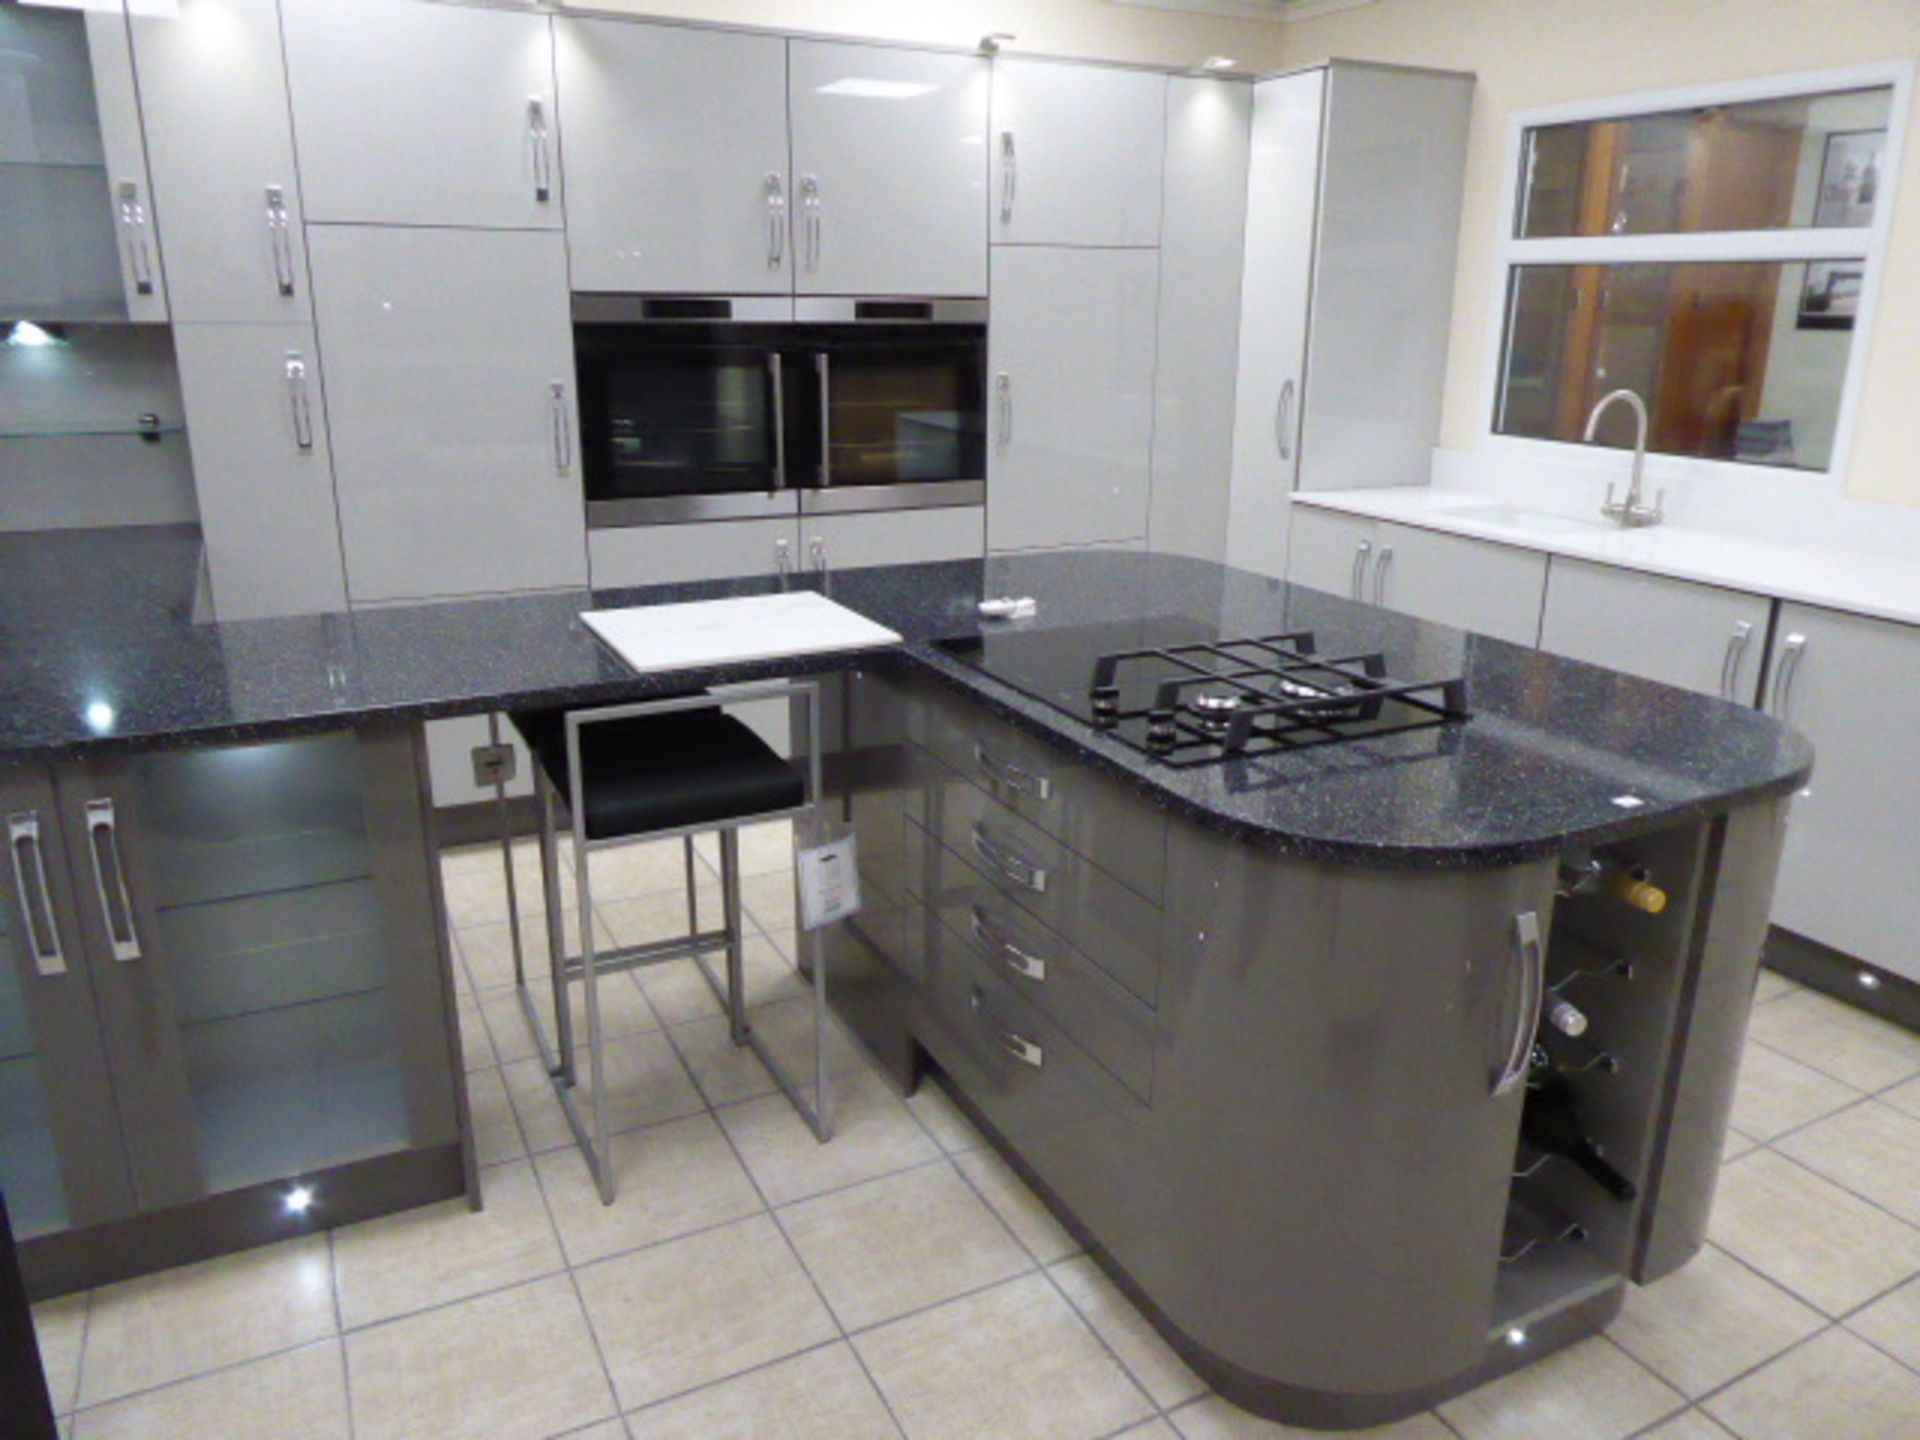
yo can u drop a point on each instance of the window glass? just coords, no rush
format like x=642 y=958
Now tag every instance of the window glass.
x=1736 y=360
x=1804 y=160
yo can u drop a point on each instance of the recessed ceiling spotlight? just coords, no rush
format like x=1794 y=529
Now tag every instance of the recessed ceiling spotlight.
x=1218 y=62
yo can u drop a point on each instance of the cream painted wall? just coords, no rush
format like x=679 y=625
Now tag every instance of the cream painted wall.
x=1094 y=29
x=1542 y=52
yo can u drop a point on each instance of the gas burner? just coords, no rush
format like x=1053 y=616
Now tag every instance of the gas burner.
x=1214 y=709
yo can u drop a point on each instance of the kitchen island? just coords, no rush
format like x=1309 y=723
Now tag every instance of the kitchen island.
x=1257 y=1026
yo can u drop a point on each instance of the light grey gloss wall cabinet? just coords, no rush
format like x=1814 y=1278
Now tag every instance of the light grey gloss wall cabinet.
x=1847 y=875
x=1698 y=637
x=1353 y=212
x=889 y=171
x=456 y=455
x=1077 y=153
x=79 y=240
x=224 y=971
x=1070 y=402
x=213 y=92
x=676 y=158
x=408 y=113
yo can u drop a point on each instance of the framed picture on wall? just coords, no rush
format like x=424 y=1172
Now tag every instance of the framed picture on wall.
x=1849 y=178
x=1831 y=296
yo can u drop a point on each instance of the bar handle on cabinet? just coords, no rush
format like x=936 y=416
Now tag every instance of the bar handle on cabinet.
x=133 y=222
x=110 y=880
x=36 y=902
x=542 y=154
x=1009 y=177
x=782 y=558
x=810 y=219
x=776 y=219
x=1736 y=654
x=1361 y=553
x=1032 y=967
x=1008 y=776
x=280 y=238
x=1381 y=560
x=1003 y=402
x=1012 y=866
x=1011 y=1041
x=777 y=375
x=299 y=401
x=562 y=414
x=1283 y=420
x=823 y=369
x=1791 y=649
x=817 y=552
x=1533 y=990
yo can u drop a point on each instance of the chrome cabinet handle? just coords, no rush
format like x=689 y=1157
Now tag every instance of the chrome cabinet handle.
x=133 y=224
x=562 y=426
x=1283 y=421
x=542 y=154
x=823 y=368
x=1380 y=563
x=1736 y=654
x=776 y=219
x=1032 y=967
x=1791 y=649
x=280 y=238
x=777 y=374
x=817 y=552
x=110 y=880
x=30 y=884
x=1533 y=990
x=810 y=219
x=1003 y=402
x=1009 y=176
x=782 y=558
x=1011 y=1041
x=1011 y=865
x=299 y=402
x=1358 y=587
x=1008 y=776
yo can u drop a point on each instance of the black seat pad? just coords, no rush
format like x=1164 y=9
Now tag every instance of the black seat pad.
x=670 y=771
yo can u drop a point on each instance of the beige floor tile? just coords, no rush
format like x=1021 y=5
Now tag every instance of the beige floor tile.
x=518 y=1364
x=724 y=1071
x=1772 y=985
x=1872 y=1150
x=605 y=1430
x=408 y=1261
x=1904 y=1098
x=488 y=949
x=1589 y=1391
x=480 y=897
x=650 y=867
x=900 y=1243
x=673 y=1179
x=643 y=919
x=1690 y=1426
x=701 y=1309
x=770 y=900
x=1152 y=1430
x=1829 y=1247
x=298 y=1395
x=60 y=1326
x=160 y=1328
x=679 y=992
x=1709 y=1321
x=1848 y=1044
x=476 y=1045
x=496 y=1133
x=1014 y=1362
x=1737 y=1145
x=484 y=858
x=646 y=1085
x=1893 y=1323
x=1778 y=1094
x=764 y=848
x=873 y=1135
x=786 y=1029
x=1215 y=1419
x=1026 y=1215
x=623 y=1011
x=821 y=1395
x=1835 y=1387
x=1151 y=1361
x=934 y=1109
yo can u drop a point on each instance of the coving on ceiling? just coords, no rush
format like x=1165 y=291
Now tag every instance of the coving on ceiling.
x=1255 y=9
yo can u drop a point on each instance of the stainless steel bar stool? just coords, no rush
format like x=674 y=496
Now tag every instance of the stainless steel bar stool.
x=655 y=770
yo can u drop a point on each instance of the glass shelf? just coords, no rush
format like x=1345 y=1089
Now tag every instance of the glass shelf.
x=87 y=432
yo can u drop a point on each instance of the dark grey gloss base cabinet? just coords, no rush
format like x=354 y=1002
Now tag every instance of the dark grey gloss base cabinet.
x=225 y=982
x=1260 y=1088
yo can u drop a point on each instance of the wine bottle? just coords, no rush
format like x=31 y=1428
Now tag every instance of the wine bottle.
x=1564 y=1015
x=1550 y=1122
x=1631 y=885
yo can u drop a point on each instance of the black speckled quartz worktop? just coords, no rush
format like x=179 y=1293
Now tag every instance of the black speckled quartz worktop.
x=101 y=649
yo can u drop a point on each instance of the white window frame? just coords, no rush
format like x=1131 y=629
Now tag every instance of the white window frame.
x=1788 y=246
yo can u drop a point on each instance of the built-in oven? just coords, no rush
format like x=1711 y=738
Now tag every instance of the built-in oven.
x=712 y=408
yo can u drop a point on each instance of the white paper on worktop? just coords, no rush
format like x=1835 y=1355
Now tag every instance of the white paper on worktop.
x=697 y=633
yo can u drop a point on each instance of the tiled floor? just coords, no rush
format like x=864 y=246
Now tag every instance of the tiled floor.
x=752 y=1285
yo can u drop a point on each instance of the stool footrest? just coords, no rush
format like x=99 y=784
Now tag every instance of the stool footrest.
x=653 y=952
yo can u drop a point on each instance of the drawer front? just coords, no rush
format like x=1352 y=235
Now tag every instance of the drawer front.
x=1109 y=922
x=1116 y=829
x=1099 y=1014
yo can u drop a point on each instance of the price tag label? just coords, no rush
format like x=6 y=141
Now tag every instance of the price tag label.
x=829 y=883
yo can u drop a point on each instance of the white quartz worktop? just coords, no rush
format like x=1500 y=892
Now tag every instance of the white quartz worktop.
x=1883 y=585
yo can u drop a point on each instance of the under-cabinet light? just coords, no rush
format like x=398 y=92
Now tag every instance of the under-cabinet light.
x=1516 y=1336
x=1868 y=980
x=863 y=89
x=299 y=1200
x=99 y=716
x=28 y=335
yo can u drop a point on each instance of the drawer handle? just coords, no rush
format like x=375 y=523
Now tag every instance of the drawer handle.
x=1017 y=868
x=1015 y=959
x=1008 y=776
x=30 y=883
x=1011 y=1041
x=110 y=880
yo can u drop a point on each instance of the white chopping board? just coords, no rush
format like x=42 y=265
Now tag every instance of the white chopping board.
x=750 y=627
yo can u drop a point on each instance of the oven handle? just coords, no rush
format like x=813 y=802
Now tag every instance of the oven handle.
x=823 y=368
x=776 y=372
